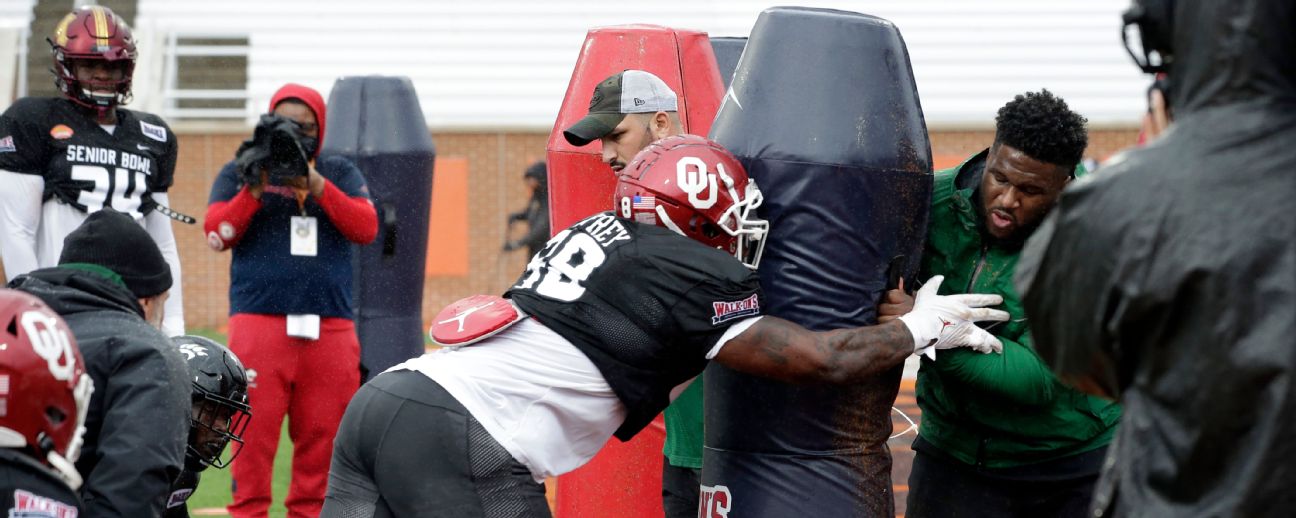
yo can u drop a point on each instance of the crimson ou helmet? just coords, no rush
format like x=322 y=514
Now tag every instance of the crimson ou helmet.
x=220 y=401
x=44 y=389
x=93 y=33
x=698 y=189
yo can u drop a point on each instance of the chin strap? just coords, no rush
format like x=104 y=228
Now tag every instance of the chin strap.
x=66 y=470
x=66 y=465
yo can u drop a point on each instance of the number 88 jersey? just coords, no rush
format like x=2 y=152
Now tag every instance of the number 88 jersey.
x=645 y=304
x=82 y=163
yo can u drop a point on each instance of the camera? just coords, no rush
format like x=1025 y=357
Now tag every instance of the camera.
x=275 y=147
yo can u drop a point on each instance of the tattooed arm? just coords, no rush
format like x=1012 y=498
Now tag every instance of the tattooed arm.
x=782 y=350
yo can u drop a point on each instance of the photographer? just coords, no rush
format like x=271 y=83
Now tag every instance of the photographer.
x=289 y=219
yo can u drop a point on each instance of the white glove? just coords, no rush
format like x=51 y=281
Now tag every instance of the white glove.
x=946 y=321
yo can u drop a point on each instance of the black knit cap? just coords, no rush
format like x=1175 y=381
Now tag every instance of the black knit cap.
x=115 y=241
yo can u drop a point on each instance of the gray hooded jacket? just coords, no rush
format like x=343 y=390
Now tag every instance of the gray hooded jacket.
x=1168 y=279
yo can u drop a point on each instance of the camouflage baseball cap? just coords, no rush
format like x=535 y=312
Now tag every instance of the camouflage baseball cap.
x=628 y=91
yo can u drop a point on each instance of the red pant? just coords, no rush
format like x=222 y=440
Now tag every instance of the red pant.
x=309 y=380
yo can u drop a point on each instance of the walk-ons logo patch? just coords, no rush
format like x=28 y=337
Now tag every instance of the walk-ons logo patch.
x=61 y=132
x=31 y=505
x=726 y=311
x=179 y=497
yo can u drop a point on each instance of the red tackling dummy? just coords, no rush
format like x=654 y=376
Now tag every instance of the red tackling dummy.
x=471 y=319
x=580 y=184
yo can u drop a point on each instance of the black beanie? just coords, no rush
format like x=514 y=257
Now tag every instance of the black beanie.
x=115 y=241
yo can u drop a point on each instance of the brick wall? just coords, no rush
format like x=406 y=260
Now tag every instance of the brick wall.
x=955 y=146
x=495 y=164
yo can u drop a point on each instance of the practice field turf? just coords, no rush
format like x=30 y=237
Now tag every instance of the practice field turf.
x=213 y=492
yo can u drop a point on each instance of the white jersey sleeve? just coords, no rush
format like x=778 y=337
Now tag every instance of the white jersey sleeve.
x=20 y=215
x=158 y=225
x=732 y=332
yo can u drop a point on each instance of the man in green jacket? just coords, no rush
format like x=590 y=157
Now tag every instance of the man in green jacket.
x=1000 y=434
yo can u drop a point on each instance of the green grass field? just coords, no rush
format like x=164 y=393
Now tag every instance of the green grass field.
x=214 y=490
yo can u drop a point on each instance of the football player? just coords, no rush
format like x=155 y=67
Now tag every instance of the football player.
x=62 y=158
x=220 y=412
x=44 y=395
x=608 y=323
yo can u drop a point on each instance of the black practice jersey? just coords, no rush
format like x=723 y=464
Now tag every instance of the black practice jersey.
x=84 y=165
x=28 y=489
x=645 y=304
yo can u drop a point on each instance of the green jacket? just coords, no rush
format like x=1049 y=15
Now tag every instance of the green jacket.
x=683 y=447
x=995 y=410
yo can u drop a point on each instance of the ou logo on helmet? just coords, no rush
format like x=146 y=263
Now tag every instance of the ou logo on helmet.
x=50 y=342
x=693 y=178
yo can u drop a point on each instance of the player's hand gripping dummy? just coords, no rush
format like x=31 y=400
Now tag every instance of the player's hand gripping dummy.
x=692 y=186
x=950 y=318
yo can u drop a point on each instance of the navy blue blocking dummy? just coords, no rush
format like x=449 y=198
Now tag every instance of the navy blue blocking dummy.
x=824 y=114
x=377 y=123
x=727 y=51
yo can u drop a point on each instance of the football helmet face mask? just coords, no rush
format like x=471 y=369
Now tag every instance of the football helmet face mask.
x=220 y=401
x=698 y=189
x=43 y=385
x=88 y=35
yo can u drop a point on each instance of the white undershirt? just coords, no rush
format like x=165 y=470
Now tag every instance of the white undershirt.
x=537 y=394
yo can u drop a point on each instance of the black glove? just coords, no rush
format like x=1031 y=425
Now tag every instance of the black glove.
x=274 y=147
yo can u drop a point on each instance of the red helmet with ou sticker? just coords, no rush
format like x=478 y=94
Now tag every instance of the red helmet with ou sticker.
x=44 y=387
x=697 y=188
x=93 y=33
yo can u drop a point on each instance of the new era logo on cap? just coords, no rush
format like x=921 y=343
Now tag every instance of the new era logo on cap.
x=629 y=91
x=642 y=92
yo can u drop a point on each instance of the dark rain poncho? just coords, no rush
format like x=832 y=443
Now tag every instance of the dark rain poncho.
x=1168 y=278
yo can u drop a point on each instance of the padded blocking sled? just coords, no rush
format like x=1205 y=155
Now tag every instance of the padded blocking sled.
x=824 y=113
x=377 y=123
